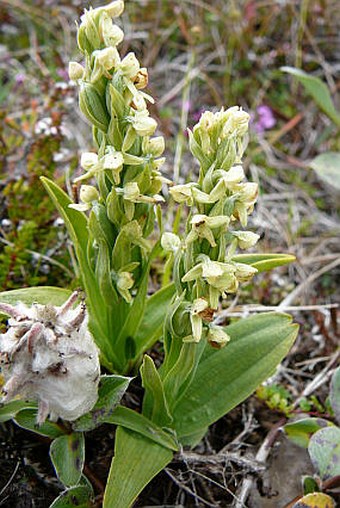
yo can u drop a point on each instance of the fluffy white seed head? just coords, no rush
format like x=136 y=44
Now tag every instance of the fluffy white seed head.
x=48 y=355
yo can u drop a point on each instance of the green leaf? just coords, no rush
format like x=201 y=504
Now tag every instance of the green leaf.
x=327 y=167
x=315 y=500
x=264 y=262
x=26 y=418
x=301 y=431
x=40 y=294
x=324 y=451
x=137 y=460
x=111 y=390
x=318 y=90
x=68 y=456
x=334 y=394
x=151 y=327
x=310 y=485
x=75 y=221
x=132 y=420
x=8 y=411
x=155 y=406
x=75 y=497
x=226 y=377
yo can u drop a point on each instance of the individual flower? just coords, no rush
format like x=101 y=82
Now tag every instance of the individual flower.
x=217 y=337
x=129 y=66
x=87 y=195
x=104 y=60
x=265 y=119
x=170 y=242
x=113 y=161
x=244 y=273
x=202 y=226
x=48 y=355
x=124 y=282
x=183 y=193
x=245 y=239
x=143 y=124
x=198 y=307
x=111 y=34
x=75 y=71
x=245 y=199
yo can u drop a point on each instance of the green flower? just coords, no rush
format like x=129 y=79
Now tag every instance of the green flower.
x=202 y=226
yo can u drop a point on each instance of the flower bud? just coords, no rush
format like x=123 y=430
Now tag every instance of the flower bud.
x=144 y=125
x=75 y=71
x=88 y=193
x=156 y=146
x=88 y=160
x=244 y=272
x=170 y=242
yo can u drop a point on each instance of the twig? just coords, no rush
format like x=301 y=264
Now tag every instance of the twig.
x=260 y=457
x=11 y=478
x=220 y=458
x=291 y=297
x=188 y=490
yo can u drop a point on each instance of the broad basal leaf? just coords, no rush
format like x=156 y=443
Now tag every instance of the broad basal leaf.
x=301 y=431
x=334 y=394
x=327 y=167
x=39 y=294
x=225 y=377
x=75 y=497
x=318 y=90
x=26 y=418
x=9 y=410
x=137 y=460
x=132 y=420
x=324 y=451
x=68 y=456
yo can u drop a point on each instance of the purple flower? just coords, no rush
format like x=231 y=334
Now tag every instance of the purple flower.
x=264 y=119
x=63 y=74
x=20 y=78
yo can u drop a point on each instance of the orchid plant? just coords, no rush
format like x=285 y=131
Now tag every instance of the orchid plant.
x=51 y=350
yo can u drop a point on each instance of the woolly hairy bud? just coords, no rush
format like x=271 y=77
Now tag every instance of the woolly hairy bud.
x=48 y=355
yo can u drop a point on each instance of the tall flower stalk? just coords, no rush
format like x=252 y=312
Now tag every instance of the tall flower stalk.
x=120 y=184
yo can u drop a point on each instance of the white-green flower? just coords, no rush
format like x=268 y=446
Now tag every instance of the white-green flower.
x=87 y=195
x=196 y=319
x=202 y=226
x=125 y=282
x=170 y=242
x=143 y=124
x=75 y=71
x=129 y=66
x=245 y=239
